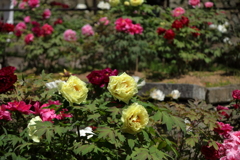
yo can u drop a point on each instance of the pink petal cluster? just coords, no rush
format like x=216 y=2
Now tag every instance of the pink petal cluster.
x=46 y=14
x=29 y=38
x=27 y=19
x=223 y=129
x=6 y=115
x=20 y=106
x=126 y=25
x=48 y=114
x=194 y=3
x=22 y=5
x=232 y=146
x=236 y=94
x=70 y=35
x=87 y=30
x=47 y=29
x=19 y=28
x=178 y=12
x=208 y=4
x=33 y=3
x=104 y=21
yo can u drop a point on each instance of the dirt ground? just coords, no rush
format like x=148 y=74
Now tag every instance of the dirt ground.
x=205 y=79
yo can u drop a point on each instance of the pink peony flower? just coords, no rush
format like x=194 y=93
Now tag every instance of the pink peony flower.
x=15 y=3
x=19 y=28
x=29 y=38
x=194 y=3
x=19 y=106
x=219 y=108
x=63 y=115
x=178 y=12
x=236 y=94
x=46 y=14
x=22 y=5
x=58 y=21
x=69 y=35
x=223 y=129
x=33 y=3
x=47 y=29
x=208 y=4
x=6 y=115
x=87 y=30
x=104 y=21
x=27 y=19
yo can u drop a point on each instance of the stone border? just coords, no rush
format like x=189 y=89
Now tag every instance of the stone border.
x=190 y=91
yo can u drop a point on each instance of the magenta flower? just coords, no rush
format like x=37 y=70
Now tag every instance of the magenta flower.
x=33 y=3
x=47 y=29
x=27 y=19
x=208 y=4
x=178 y=12
x=236 y=94
x=29 y=38
x=219 y=108
x=6 y=115
x=210 y=153
x=122 y=25
x=87 y=30
x=194 y=3
x=46 y=14
x=19 y=28
x=223 y=129
x=69 y=35
x=20 y=106
x=135 y=29
x=37 y=31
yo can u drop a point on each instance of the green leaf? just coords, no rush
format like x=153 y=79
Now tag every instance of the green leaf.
x=131 y=143
x=83 y=149
x=94 y=117
x=106 y=133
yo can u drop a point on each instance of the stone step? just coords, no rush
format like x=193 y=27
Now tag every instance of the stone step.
x=211 y=95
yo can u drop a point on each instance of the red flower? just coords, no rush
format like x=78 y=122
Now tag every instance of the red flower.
x=160 y=30
x=29 y=38
x=47 y=29
x=8 y=27
x=195 y=34
x=37 y=31
x=169 y=34
x=58 y=21
x=177 y=24
x=96 y=78
x=236 y=94
x=7 y=79
x=101 y=77
x=184 y=20
x=210 y=153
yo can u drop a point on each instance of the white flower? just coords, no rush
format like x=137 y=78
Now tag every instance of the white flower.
x=175 y=94
x=226 y=24
x=81 y=6
x=137 y=79
x=188 y=125
x=103 y=5
x=222 y=28
x=213 y=26
x=157 y=94
x=54 y=84
x=86 y=132
x=32 y=129
x=227 y=40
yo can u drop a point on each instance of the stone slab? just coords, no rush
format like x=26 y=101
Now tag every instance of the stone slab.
x=188 y=91
x=220 y=94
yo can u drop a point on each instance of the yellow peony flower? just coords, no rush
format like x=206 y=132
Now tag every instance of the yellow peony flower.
x=122 y=87
x=32 y=129
x=74 y=90
x=136 y=2
x=126 y=3
x=134 y=118
x=114 y=2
